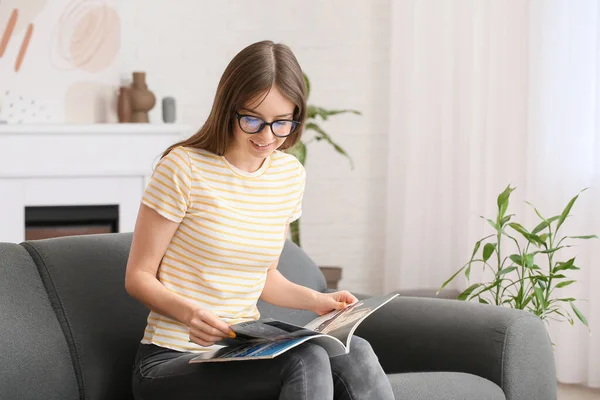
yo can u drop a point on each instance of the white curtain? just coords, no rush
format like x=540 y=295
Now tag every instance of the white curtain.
x=486 y=93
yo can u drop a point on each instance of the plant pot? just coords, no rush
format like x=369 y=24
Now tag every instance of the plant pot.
x=332 y=276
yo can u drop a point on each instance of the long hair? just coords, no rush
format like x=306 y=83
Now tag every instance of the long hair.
x=250 y=74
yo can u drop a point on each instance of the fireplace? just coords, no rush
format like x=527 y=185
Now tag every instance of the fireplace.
x=56 y=221
x=65 y=167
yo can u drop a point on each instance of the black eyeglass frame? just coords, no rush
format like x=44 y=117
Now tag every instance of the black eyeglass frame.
x=270 y=124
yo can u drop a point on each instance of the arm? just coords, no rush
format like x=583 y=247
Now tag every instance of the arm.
x=151 y=238
x=508 y=347
x=279 y=291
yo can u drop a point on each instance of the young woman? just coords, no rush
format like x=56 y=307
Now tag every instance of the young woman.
x=210 y=229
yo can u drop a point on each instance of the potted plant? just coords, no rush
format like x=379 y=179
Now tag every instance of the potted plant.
x=314 y=115
x=526 y=278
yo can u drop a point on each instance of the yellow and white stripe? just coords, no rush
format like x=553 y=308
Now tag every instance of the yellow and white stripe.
x=231 y=229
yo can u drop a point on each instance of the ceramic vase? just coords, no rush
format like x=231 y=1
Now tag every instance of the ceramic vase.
x=142 y=99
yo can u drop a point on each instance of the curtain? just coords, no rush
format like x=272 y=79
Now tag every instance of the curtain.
x=484 y=94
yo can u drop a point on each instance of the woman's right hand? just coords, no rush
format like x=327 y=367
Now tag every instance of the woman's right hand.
x=206 y=328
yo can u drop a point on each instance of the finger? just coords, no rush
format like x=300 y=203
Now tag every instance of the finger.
x=338 y=305
x=214 y=321
x=347 y=297
x=205 y=336
x=351 y=299
x=201 y=326
x=200 y=342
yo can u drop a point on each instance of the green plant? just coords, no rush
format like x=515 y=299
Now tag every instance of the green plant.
x=314 y=115
x=527 y=278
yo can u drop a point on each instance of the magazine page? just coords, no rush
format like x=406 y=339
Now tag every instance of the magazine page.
x=267 y=350
x=342 y=323
x=264 y=330
x=248 y=351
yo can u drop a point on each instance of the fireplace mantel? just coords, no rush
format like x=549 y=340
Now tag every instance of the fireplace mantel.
x=28 y=151
x=45 y=165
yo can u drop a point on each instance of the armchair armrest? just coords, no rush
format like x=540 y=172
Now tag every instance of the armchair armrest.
x=508 y=347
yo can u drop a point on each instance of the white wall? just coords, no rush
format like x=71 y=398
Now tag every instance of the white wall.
x=343 y=48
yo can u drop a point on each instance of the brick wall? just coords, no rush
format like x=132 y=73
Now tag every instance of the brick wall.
x=343 y=48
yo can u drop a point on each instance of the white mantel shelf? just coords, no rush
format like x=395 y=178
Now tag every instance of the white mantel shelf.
x=42 y=150
x=60 y=165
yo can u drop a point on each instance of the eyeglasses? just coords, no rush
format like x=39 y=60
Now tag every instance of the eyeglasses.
x=281 y=128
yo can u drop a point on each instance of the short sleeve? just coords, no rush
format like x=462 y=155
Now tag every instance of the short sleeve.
x=168 y=190
x=298 y=208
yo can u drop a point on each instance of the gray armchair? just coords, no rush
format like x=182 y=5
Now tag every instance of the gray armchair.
x=70 y=331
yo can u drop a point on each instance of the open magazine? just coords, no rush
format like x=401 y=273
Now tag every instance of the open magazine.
x=268 y=338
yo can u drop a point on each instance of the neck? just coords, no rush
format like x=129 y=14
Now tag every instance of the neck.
x=242 y=160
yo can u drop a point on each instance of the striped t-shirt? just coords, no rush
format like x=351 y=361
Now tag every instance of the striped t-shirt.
x=231 y=229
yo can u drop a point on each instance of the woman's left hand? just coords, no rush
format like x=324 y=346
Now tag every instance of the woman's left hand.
x=327 y=302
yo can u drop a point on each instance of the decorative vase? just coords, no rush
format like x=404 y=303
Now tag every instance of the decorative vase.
x=168 y=110
x=142 y=99
x=124 y=104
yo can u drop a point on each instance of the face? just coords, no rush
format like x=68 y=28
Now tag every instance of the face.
x=275 y=106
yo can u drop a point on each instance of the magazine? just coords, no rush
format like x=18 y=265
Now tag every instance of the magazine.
x=268 y=338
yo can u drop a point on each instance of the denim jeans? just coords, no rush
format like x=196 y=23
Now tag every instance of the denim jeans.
x=303 y=373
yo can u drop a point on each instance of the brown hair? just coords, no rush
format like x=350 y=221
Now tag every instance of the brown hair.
x=252 y=72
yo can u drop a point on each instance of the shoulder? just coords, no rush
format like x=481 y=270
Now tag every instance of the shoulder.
x=284 y=161
x=200 y=156
x=178 y=157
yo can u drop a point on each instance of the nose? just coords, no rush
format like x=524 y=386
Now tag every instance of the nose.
x=266 y=134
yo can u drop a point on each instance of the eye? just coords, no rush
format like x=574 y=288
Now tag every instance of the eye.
x=283 y=127
x=251 y=123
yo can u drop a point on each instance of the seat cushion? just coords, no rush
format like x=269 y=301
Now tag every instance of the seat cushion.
x=443 y=386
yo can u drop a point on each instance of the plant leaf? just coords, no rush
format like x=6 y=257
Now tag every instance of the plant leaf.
x=549 y=251
x=561 y=266
x=488 y=250
x=451 y=278
x=314 y=112
x=567 y=210
x=503 y=200
x=483 y=301
x=544 y=224
x=527 y=301
x=540 y=296
x=528 y=260
x=492 y=223
x=519 y=228
x=506 y=270
x=298 y=151
x=581 y=317
x=327 y=138
x=564 y=284
x=583 y=237
x=529 y=236
x=468 y=291
x=567 y=299
x=504 y=220
x=517 y=259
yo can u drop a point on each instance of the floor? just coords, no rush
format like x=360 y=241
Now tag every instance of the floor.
x=572 y=392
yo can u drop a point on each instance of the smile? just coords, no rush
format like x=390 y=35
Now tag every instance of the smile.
x=262 y=145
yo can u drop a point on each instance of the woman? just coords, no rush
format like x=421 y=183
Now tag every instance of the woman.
x=207 y=241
